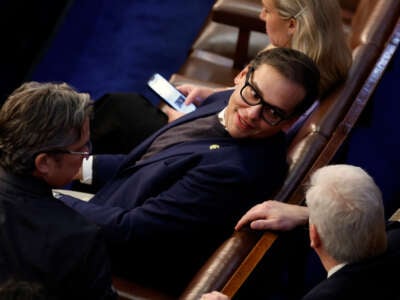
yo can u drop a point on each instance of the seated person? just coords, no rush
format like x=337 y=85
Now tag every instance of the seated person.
x=169 y=203
x=44 y=136
x=123 y=120
x=346 y=229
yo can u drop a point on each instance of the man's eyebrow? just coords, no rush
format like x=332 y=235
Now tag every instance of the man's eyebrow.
x=267 y=101
x=255 y=86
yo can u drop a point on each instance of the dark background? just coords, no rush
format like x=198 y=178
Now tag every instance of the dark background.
x=101 y=46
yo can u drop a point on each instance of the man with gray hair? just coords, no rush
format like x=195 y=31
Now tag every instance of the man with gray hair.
x=347 y=230
x=44 y=136
x=344 y=199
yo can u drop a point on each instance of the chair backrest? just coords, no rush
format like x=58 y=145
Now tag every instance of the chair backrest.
x=313 y=146
x=316 y=131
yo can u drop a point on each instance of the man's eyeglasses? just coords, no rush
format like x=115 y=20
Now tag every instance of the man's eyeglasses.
x=269 y=113
x=84 y=154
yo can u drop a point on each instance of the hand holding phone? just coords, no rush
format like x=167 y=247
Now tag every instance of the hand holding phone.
x=169 y=93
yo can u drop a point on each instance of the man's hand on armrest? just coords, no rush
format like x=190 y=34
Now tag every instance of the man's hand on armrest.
x=274 y=215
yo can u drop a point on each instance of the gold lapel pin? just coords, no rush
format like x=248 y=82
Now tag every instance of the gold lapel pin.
x=214 y=146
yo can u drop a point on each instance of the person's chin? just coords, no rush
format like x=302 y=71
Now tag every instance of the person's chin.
x=238 y=133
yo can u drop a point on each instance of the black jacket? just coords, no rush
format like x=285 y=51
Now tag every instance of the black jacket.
x=374 y=278
x=42 y=240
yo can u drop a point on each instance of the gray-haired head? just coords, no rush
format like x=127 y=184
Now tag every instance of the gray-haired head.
x=39 y=116
x=347 y=209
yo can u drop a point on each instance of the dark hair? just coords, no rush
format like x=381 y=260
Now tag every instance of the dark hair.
x=39 y=116
x=295 y=66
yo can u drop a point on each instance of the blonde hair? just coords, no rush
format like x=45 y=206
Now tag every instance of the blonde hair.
x=320 y=35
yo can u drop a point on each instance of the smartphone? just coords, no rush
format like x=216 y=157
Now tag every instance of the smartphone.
x=169 y=93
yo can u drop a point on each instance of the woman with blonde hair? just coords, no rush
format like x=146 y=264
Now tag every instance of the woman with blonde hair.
x=315 y=28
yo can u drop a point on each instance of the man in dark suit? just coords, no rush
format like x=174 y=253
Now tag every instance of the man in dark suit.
x=371 y=278
x=44 y=134
x=170 y=202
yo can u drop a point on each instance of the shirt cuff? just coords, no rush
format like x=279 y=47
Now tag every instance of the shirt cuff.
x=87 y=170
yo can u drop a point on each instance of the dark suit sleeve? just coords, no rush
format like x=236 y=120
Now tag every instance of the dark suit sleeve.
x=108 y=164
x=213 y=193
x=177 y=210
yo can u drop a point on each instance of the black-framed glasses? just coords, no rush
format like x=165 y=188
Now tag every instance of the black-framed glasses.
x=272 y=115
x=84 y=154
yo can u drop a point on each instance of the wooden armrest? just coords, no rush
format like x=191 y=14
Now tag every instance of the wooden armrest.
x=239 y=13
x=222 y=264
x=177 y=79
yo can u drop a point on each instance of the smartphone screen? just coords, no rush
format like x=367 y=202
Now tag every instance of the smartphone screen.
x=169 y=93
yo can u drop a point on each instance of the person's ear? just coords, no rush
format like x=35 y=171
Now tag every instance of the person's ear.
x=315 y=240
x=292 y=26
x=42 y=164
x=242 y=74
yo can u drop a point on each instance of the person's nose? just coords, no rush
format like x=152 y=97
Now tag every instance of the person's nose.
x=254 y=112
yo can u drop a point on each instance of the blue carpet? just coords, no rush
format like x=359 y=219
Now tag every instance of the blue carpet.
x=104 y=46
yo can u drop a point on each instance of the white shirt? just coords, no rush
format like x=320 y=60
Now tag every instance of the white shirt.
x=335 y=269
x=87 y=170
